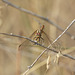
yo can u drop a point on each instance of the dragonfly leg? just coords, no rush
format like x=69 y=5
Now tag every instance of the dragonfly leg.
x=42 y=38
x=38 y=39
x=34 y=38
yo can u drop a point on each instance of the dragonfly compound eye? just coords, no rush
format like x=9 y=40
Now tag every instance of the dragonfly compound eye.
x=37 y=33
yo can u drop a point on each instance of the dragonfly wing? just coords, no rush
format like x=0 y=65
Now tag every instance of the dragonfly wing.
x=47 y=37
x=25 y=42
x=47 y=40
x=56 y=45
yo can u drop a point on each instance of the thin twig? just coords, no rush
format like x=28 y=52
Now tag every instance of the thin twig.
x=41 y=17
x=37 y=44
x=29 y=40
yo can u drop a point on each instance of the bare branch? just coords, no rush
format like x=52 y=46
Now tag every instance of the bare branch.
x=29 y=40
x=38 y=44
x=43 y=45
x=34 y=14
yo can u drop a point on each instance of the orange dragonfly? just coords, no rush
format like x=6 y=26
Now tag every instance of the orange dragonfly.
x=38 y=36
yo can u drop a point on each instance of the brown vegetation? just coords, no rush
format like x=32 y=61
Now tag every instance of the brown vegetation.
x=60 y=12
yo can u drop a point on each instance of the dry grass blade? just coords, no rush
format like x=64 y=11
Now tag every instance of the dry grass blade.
x=48 y=62
x=57 y=57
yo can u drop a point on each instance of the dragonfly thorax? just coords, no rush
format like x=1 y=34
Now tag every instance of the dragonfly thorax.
x=38 y=33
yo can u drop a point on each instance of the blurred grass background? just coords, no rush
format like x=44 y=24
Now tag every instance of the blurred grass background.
x=61 y=12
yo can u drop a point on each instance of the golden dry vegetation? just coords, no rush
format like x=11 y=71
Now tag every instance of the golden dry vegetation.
x=12 y=20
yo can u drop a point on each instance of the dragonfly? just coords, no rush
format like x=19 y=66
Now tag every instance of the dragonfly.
x=37 y=36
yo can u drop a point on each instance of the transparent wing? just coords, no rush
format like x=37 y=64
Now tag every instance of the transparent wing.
x=25 y=42
x=55 y=46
